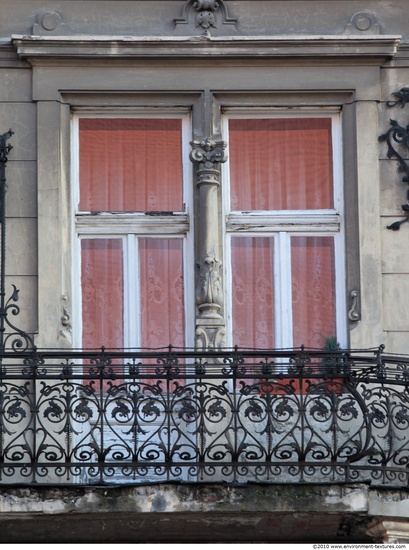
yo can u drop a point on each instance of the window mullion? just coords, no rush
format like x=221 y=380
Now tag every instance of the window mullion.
x=340 y=278
x=132 y=293
x=283 y=292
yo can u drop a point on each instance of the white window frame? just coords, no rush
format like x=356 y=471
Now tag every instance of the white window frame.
x=282 y=225
x=130 y=227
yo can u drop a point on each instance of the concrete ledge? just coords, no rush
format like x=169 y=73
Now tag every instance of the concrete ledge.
x=195 y=513
x=187 y=498
x=377 y=47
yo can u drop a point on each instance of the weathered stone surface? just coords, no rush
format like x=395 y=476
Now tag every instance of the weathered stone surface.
x=185 y=513
x=393 y=261
x=187 y=498
x=386 y=531
x=21 y=118
x=395 y=292
x=192 y=513
x=21 y=246
x=396 y=341
x=388 y=503
x=184 y=528
x=15 y=85
x=21 y=197
x=393 y=189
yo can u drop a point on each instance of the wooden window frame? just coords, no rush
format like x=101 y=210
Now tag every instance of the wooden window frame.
x=282 y=225
x=129 y=227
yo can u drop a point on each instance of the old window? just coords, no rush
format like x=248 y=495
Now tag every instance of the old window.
x=132 y=228
x=284 y=233
x=282 y=190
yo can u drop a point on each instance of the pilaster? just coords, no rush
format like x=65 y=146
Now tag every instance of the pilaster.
x=207 y=155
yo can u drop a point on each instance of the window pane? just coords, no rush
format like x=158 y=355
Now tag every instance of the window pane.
x=102 y=293
x=162 y=299
x=253 y=291
x=313 y=290
x=130 y=165
x=280 y=164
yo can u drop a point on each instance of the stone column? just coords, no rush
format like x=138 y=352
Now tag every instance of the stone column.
x=210 y=333
x=389 y=530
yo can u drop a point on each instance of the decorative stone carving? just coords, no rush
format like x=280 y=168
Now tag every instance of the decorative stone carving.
x=209 y=293
x=206 y=14
x=210 y=337
x=208 y=154
x=353 y=313
x=389 y=530
x=363 y=22
x=65 y=318
x=65 y=327
x=205 y=17
x=50 y=22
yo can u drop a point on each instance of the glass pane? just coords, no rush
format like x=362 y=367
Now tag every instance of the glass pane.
x=253 y=291
x=102 y=293
x=130 y=165
x=313 y=290
x=162 y=298
x=280 y=164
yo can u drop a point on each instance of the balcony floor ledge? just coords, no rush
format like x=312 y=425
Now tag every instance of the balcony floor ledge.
x=184 y=513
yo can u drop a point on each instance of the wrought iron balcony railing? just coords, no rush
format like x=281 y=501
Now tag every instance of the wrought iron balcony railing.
x=292 y=416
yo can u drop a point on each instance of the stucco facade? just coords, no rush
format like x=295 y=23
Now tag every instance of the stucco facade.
x=61 y=59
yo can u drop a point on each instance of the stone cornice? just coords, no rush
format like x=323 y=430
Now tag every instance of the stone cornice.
x=370 y=47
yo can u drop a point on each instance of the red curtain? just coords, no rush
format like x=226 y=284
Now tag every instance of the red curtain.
x=161 y=307
x=130 y=165
x=162 y=300
x=313 y=290
x=253 y=291
x=102 y=293
x=280 y=164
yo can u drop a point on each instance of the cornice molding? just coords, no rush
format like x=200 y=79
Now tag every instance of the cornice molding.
x=36 y=48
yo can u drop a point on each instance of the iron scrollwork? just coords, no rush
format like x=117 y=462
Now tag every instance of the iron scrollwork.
x=231 y=415
x=398 y=135
x=10 y=335
x=402 y=97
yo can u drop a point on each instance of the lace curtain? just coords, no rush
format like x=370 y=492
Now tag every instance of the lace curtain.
x=161 y=307
x=130 y=165
x=102 y=293
x=280 y=164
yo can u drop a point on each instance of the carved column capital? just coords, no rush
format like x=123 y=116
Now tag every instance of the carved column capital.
x=208 y=151
x=209 y=154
